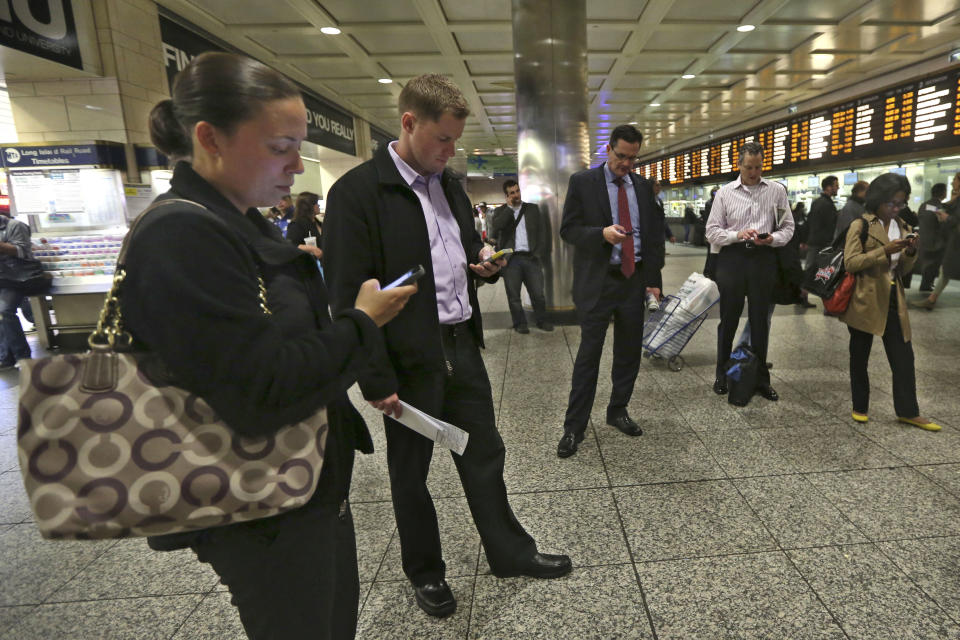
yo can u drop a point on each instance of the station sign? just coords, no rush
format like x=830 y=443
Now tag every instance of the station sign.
x=44 y=29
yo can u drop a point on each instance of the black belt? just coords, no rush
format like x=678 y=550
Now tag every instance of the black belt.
x=743 y=247
x=454 y=330
x=522 y=253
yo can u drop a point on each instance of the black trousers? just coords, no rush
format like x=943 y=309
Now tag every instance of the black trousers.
x=745 y=273
x=524 y=269
x=930 y=269
x=290 y=577
x=623 y=300
x=463 y=399
x=900 y=357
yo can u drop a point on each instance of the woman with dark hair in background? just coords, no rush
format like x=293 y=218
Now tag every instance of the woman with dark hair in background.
x=878 y=306
x=191 y=297
x=305 y=225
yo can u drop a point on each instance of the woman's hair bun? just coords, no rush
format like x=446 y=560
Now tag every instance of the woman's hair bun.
x=166 y=132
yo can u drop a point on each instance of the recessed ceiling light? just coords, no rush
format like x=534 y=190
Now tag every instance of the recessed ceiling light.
x=330 y=31
x=384 y=80
x=654 y=104
x=634 y=122
x=688 y=76
x=746 y=27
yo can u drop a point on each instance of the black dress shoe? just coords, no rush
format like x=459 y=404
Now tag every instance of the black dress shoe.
x=720 y=386
x=806 y=304
x=767 y=392
x=522 y=329
x=626 y=425
x=545 y=326
x=568 y=444
x=541 y=565
x=435 y=598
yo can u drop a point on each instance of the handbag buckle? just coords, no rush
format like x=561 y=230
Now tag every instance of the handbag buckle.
x=100 y=370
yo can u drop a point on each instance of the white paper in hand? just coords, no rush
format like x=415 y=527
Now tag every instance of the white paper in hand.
x=443 y=433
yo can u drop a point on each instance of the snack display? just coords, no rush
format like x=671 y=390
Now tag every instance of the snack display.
x=72 y=256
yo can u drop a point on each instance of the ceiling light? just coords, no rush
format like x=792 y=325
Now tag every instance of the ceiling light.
x=384 y=80
x=654 y=104
x=330 y=31
x=688 y=76
x=746 y=27
x=634 y=122
x=955 y=55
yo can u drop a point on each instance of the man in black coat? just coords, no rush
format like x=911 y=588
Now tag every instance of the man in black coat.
x=520 y=226
x=401 y=209
x=822 y=220
x=932 y=242
x=612 y=220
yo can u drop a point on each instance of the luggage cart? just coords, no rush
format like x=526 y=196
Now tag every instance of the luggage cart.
x=668 y=330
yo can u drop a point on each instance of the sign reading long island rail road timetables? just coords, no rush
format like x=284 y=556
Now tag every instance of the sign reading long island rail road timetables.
x=921 y=115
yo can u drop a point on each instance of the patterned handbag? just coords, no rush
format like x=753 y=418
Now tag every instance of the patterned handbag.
x=107 y=451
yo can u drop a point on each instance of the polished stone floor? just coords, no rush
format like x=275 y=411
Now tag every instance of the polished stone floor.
x=779 y=520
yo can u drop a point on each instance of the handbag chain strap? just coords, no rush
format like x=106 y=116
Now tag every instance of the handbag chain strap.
x=110 y=333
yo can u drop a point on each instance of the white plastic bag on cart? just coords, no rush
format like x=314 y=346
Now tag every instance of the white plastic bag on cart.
x=697 y=294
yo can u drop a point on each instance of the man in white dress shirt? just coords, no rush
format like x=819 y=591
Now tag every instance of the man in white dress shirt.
x=750 y=216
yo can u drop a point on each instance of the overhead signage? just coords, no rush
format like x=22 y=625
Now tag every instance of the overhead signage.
x=915 y=117
x=327 y=125
x=44 y=29
x=482 y=166
x=41 y=156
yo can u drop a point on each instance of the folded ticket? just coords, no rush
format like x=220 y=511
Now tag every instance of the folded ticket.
x=443 y=433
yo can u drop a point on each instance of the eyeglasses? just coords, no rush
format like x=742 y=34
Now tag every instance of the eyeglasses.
x=622 y=157
x=896 y=206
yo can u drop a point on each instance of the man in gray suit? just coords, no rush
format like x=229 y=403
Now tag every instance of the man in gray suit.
x=519 y=225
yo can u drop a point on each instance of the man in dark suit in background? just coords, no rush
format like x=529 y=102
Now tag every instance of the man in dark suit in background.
x=519 y=225
x=821 y=221
x=401 y=209
x=618 y=233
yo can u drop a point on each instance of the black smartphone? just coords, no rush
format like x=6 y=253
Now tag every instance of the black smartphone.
x=763 y=236
x=911 y=236
x=409 y=277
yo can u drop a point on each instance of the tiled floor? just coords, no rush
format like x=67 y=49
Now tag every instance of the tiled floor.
x=779 y=520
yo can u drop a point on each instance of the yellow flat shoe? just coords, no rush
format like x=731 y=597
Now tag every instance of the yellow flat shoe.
x=928 y=425
x=859 y=417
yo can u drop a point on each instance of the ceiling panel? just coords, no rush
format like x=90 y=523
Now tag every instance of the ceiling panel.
x=662 y=62
x=471 y=41
x=455 y=10
x=599 y=63
x=370 y=11
x=680 y=41
x=419 y=41
x=741 y=62
x=487 y=66
x=628 y=10
x=285 y=43
x=400 y=68
x=727 y=10
x=249 y=11
x=606 y=39
x=776 y=38
x=329 y=69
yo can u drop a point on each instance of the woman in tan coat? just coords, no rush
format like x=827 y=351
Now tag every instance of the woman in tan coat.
x=878 y=306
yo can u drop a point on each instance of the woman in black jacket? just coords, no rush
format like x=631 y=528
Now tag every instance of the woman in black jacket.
x=304 y=224
x=191 y=296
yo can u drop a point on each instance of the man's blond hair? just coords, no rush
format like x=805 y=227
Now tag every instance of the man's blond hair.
x=430 y=96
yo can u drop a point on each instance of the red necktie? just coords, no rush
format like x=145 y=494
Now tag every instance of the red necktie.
x=626 y=247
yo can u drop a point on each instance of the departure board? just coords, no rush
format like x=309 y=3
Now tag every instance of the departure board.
x=914 y=117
